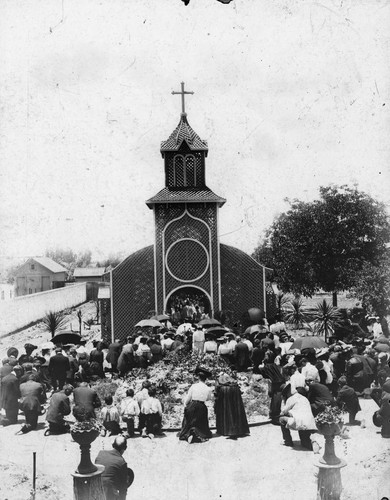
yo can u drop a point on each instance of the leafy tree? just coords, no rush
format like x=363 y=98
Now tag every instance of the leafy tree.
x=70 y=259
x=65 y=257
x=325 y=243
x=11 y=273
x=111 y=261
x=263 y=253
x=84 y=259
x=372 y=286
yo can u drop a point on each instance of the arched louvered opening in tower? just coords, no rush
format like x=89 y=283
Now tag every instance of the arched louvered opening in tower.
x=185 y=170
x=179 y=174
x=184 y=153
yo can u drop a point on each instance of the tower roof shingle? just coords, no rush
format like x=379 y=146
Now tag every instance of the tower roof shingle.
x=185 y=195
x=183 y=132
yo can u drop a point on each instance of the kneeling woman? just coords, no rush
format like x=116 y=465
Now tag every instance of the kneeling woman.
x=195 y=426
x=229 y=408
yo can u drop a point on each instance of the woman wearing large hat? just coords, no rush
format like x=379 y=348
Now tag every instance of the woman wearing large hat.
x=195 y=426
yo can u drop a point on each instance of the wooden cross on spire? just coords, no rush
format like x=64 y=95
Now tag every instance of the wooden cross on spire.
x=182 y=93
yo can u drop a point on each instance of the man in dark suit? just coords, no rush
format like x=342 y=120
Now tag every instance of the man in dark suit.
x=58 y=368
x=32 y=396
x=117 y=477
x=5 y=370
x=348 y=398
x=319 y=396
x=10 y=394
x=59 y=407
x=242 y=359
x=74 y=366
x=114 y=350
x=86 y=398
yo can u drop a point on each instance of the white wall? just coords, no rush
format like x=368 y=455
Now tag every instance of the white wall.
x=21 y=311
x=7 y=291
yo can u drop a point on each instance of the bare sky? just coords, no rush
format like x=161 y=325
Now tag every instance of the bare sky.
x=290 y=95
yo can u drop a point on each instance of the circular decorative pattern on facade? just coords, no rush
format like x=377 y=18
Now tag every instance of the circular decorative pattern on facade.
x=187 y=260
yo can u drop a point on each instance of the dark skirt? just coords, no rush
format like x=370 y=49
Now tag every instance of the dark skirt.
x=195 y=422
x=276 y=402
x=230 y=412
x=153 y=423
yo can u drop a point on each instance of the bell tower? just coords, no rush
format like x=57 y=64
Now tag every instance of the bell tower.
x=186 y=249
x=186 y=260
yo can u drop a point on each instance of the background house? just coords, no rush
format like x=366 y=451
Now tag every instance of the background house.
x=82 y=274
x=39 y=274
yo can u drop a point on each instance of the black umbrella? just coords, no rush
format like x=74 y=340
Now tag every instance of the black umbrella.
x=160 y=317
x=67 y=337
x=217 y=329
x=307 y=342
x=152 y=323
x=206 y=323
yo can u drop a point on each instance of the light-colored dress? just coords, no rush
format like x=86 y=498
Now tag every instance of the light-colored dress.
x=198 y=392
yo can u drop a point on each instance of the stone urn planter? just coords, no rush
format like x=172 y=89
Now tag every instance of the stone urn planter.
x=84 y=431
x=84 y=439
x=329 y=424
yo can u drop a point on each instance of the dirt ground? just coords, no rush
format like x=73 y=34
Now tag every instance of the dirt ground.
x=36 y=334
x=344 y=300
x=255 y=467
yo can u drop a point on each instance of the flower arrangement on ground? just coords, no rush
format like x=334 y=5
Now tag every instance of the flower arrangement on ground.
x=330 y=416
x=174 y=375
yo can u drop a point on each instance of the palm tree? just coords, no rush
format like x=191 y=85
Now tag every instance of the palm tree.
x=295 y=314
x=53 y=321
x=325 y=317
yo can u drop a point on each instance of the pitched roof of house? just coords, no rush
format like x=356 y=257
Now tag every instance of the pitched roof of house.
x=183 y=132
x=50 y=264
x=185 y=195
x=83 y=272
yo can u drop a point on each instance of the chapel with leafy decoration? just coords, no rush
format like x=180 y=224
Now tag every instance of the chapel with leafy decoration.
x=187 y=259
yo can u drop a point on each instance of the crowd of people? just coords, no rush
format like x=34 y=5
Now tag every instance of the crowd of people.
x=37 y=382
x=184 y=308
x=302 y=382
